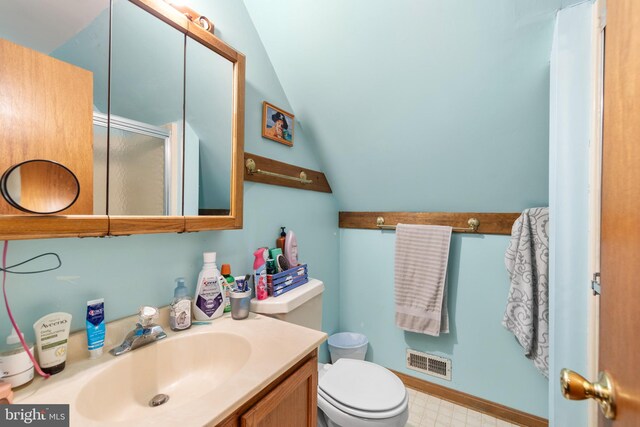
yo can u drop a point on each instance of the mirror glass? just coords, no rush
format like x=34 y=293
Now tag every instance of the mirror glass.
x=147 y=100
x=73 y=31
x=162 y=137
x=208 y=131
x=39 y=186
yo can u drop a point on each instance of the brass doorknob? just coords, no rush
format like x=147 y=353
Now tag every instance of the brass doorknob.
x=576 y=387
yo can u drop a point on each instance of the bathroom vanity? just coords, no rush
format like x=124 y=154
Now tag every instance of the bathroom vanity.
x=290 y=400
x=257 y=371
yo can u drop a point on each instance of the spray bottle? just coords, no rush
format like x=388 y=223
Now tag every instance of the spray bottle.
x=260 y=273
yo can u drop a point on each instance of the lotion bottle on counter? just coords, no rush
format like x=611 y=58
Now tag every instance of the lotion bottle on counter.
x=52 y=333
x=209 y=300
x=291 y=249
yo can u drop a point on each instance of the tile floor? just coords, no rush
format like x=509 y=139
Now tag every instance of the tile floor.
x=430 y=411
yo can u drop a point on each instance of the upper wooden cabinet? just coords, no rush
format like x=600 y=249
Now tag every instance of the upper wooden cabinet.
x=143 y=105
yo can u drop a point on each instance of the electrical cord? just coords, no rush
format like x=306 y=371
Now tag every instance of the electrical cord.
x=6 y=270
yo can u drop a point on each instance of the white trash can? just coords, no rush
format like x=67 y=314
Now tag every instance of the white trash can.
x=349 y=345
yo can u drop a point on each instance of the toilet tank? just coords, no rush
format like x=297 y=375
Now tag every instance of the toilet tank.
x=302 y=306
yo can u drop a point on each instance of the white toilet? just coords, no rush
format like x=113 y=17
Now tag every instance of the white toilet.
x=351 y=393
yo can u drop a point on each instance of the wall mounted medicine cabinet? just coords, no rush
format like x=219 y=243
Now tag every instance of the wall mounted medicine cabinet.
x=144 y=106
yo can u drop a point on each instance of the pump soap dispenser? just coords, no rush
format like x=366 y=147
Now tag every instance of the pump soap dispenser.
x=180 y=308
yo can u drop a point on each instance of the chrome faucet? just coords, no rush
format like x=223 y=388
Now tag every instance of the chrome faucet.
x=144 y=333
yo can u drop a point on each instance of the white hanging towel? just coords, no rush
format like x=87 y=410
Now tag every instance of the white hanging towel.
x=422 y=255
x=527 y=261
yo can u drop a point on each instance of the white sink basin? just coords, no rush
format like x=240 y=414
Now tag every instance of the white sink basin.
x=184 y=368
x=207 y=371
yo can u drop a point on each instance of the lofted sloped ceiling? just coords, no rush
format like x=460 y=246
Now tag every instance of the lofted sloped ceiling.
x=414 y=105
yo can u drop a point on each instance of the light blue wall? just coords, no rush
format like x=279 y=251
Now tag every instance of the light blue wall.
x=450 y=97
x=426 y=106
x=136 y=270
x=570 y=138
x=487 y=362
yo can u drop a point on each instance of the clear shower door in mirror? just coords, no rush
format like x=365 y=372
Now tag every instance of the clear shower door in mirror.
x=139 y=167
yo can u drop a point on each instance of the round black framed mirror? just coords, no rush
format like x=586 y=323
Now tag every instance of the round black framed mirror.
x=40 y=187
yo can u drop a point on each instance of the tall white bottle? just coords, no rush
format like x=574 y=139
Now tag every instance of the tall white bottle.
x=209 y=300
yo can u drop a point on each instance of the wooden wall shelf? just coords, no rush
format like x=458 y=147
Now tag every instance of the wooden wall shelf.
x=263 y=164
x=490 y=223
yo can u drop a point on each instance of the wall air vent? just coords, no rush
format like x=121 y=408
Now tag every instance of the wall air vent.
x=429 y=364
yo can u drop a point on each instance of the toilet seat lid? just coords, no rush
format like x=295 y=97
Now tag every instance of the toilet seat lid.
x=363 y=386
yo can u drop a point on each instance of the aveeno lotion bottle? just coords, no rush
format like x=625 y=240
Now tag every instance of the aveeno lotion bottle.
x=52 y=333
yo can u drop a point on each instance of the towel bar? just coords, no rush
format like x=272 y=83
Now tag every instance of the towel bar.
x=251 y=168
x=474 y=223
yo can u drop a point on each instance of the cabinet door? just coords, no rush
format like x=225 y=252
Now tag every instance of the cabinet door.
x=46 y=114
x=292 y=404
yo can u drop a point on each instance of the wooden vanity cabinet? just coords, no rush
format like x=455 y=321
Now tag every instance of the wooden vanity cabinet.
x=289 y=401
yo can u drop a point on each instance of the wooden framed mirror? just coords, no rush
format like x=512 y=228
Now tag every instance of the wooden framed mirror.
x=171 y=107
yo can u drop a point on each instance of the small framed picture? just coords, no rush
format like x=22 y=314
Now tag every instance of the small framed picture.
x=277 y=124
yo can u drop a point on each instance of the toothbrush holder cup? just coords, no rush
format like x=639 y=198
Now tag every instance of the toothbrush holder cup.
x=240 y=302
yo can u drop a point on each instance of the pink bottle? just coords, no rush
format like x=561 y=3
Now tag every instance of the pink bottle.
x=260 y=273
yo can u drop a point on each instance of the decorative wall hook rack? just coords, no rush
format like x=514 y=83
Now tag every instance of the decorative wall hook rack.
x=477 y=222
x=474 y=223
